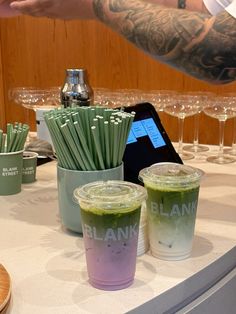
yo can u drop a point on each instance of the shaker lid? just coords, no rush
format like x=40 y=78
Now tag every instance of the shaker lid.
x=76 y=76
x=75 y=71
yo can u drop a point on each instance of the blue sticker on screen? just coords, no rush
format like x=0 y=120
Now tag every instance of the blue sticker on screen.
x=131 y=137
x=138 y=129
x=153 y=133
x=146 y=127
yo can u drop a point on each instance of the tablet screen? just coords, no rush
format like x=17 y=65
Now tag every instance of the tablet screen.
x=147 y=144
x=146 y=127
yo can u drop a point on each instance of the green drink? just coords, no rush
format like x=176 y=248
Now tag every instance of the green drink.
x=171 y=208
x=110 y=213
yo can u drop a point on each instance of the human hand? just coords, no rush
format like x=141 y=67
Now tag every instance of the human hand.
x=6 y=10
x=61 y=9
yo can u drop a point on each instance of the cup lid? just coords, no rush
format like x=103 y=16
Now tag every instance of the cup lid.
x=170 y=174
x=113 y=194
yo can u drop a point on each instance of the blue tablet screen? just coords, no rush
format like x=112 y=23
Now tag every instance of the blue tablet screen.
x=146 y=127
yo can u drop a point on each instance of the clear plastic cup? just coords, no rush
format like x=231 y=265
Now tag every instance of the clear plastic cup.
x=110 y=214
x=171 y=208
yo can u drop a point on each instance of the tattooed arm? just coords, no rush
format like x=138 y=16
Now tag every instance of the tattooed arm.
x=193 y=42
x=82 y=9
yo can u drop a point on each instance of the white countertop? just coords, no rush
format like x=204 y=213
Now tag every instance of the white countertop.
x=47 y=264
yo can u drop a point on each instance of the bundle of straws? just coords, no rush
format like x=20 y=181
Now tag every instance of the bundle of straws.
x=89 y=138
x=14 y=139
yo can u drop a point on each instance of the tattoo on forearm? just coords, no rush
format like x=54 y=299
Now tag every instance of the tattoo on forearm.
x=196 y=43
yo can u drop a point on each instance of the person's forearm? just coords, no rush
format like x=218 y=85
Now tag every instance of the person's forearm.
x=60 y=9
x=195 y=43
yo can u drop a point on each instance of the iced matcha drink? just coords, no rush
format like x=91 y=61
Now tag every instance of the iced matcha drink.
x=172 y=205
x=110 y=213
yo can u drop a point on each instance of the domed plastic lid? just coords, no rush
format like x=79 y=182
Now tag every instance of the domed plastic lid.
x=112 y=194
x=170 y=175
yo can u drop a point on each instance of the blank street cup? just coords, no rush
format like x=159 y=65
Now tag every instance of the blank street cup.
x=172 y=205
x=29 y=167
x=110 y=213
x=10 y=172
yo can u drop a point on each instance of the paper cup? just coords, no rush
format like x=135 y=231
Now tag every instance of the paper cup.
x=11 y=172
x=29 y=167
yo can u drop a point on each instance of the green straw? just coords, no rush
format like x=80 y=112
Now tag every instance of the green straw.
x=3 y=149
x=64 y=157
x=116 y=142
x=84 y=145
x=89 y=138
x=72 y=146
x=11 y=140
x=107 y=145
x=79 y=148
x=22 y=140
x=68 y=158
x=98 y=147
x=60 y=155
x=101 y=133
x=9 y=134
x=17 y=139
x=1 y=137
x=87 y=125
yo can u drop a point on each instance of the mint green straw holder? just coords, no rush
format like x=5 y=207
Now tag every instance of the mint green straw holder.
x=11 y=172
x=29 y=167
x=68 y=181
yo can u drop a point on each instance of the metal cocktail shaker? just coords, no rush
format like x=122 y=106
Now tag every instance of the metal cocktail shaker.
x=76 y=90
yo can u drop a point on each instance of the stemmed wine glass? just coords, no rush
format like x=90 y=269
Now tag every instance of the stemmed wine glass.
x=101 y=96
x=200 y=99
x=182 y=106
x=133 y=96
x=232 y=150
x=160 y=98
x=221 y=108
x=33 y=98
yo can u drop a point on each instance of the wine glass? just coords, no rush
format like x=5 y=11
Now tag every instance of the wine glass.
x=53 y=97
x=181 y=106
x=32 y=98
x=162 y=98
x=100 y=96
x=232 y=150
x=221 y=108
x=133 y=96
x=200 y=99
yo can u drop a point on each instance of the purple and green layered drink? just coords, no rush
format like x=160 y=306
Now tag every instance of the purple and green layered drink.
x=171 y=208
x=110 y=213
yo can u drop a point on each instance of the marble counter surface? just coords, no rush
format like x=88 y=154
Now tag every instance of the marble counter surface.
x=47 y=263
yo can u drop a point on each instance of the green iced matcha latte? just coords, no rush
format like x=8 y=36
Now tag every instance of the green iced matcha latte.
x=110 y=213
x=171 y=208
x=119 y=221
